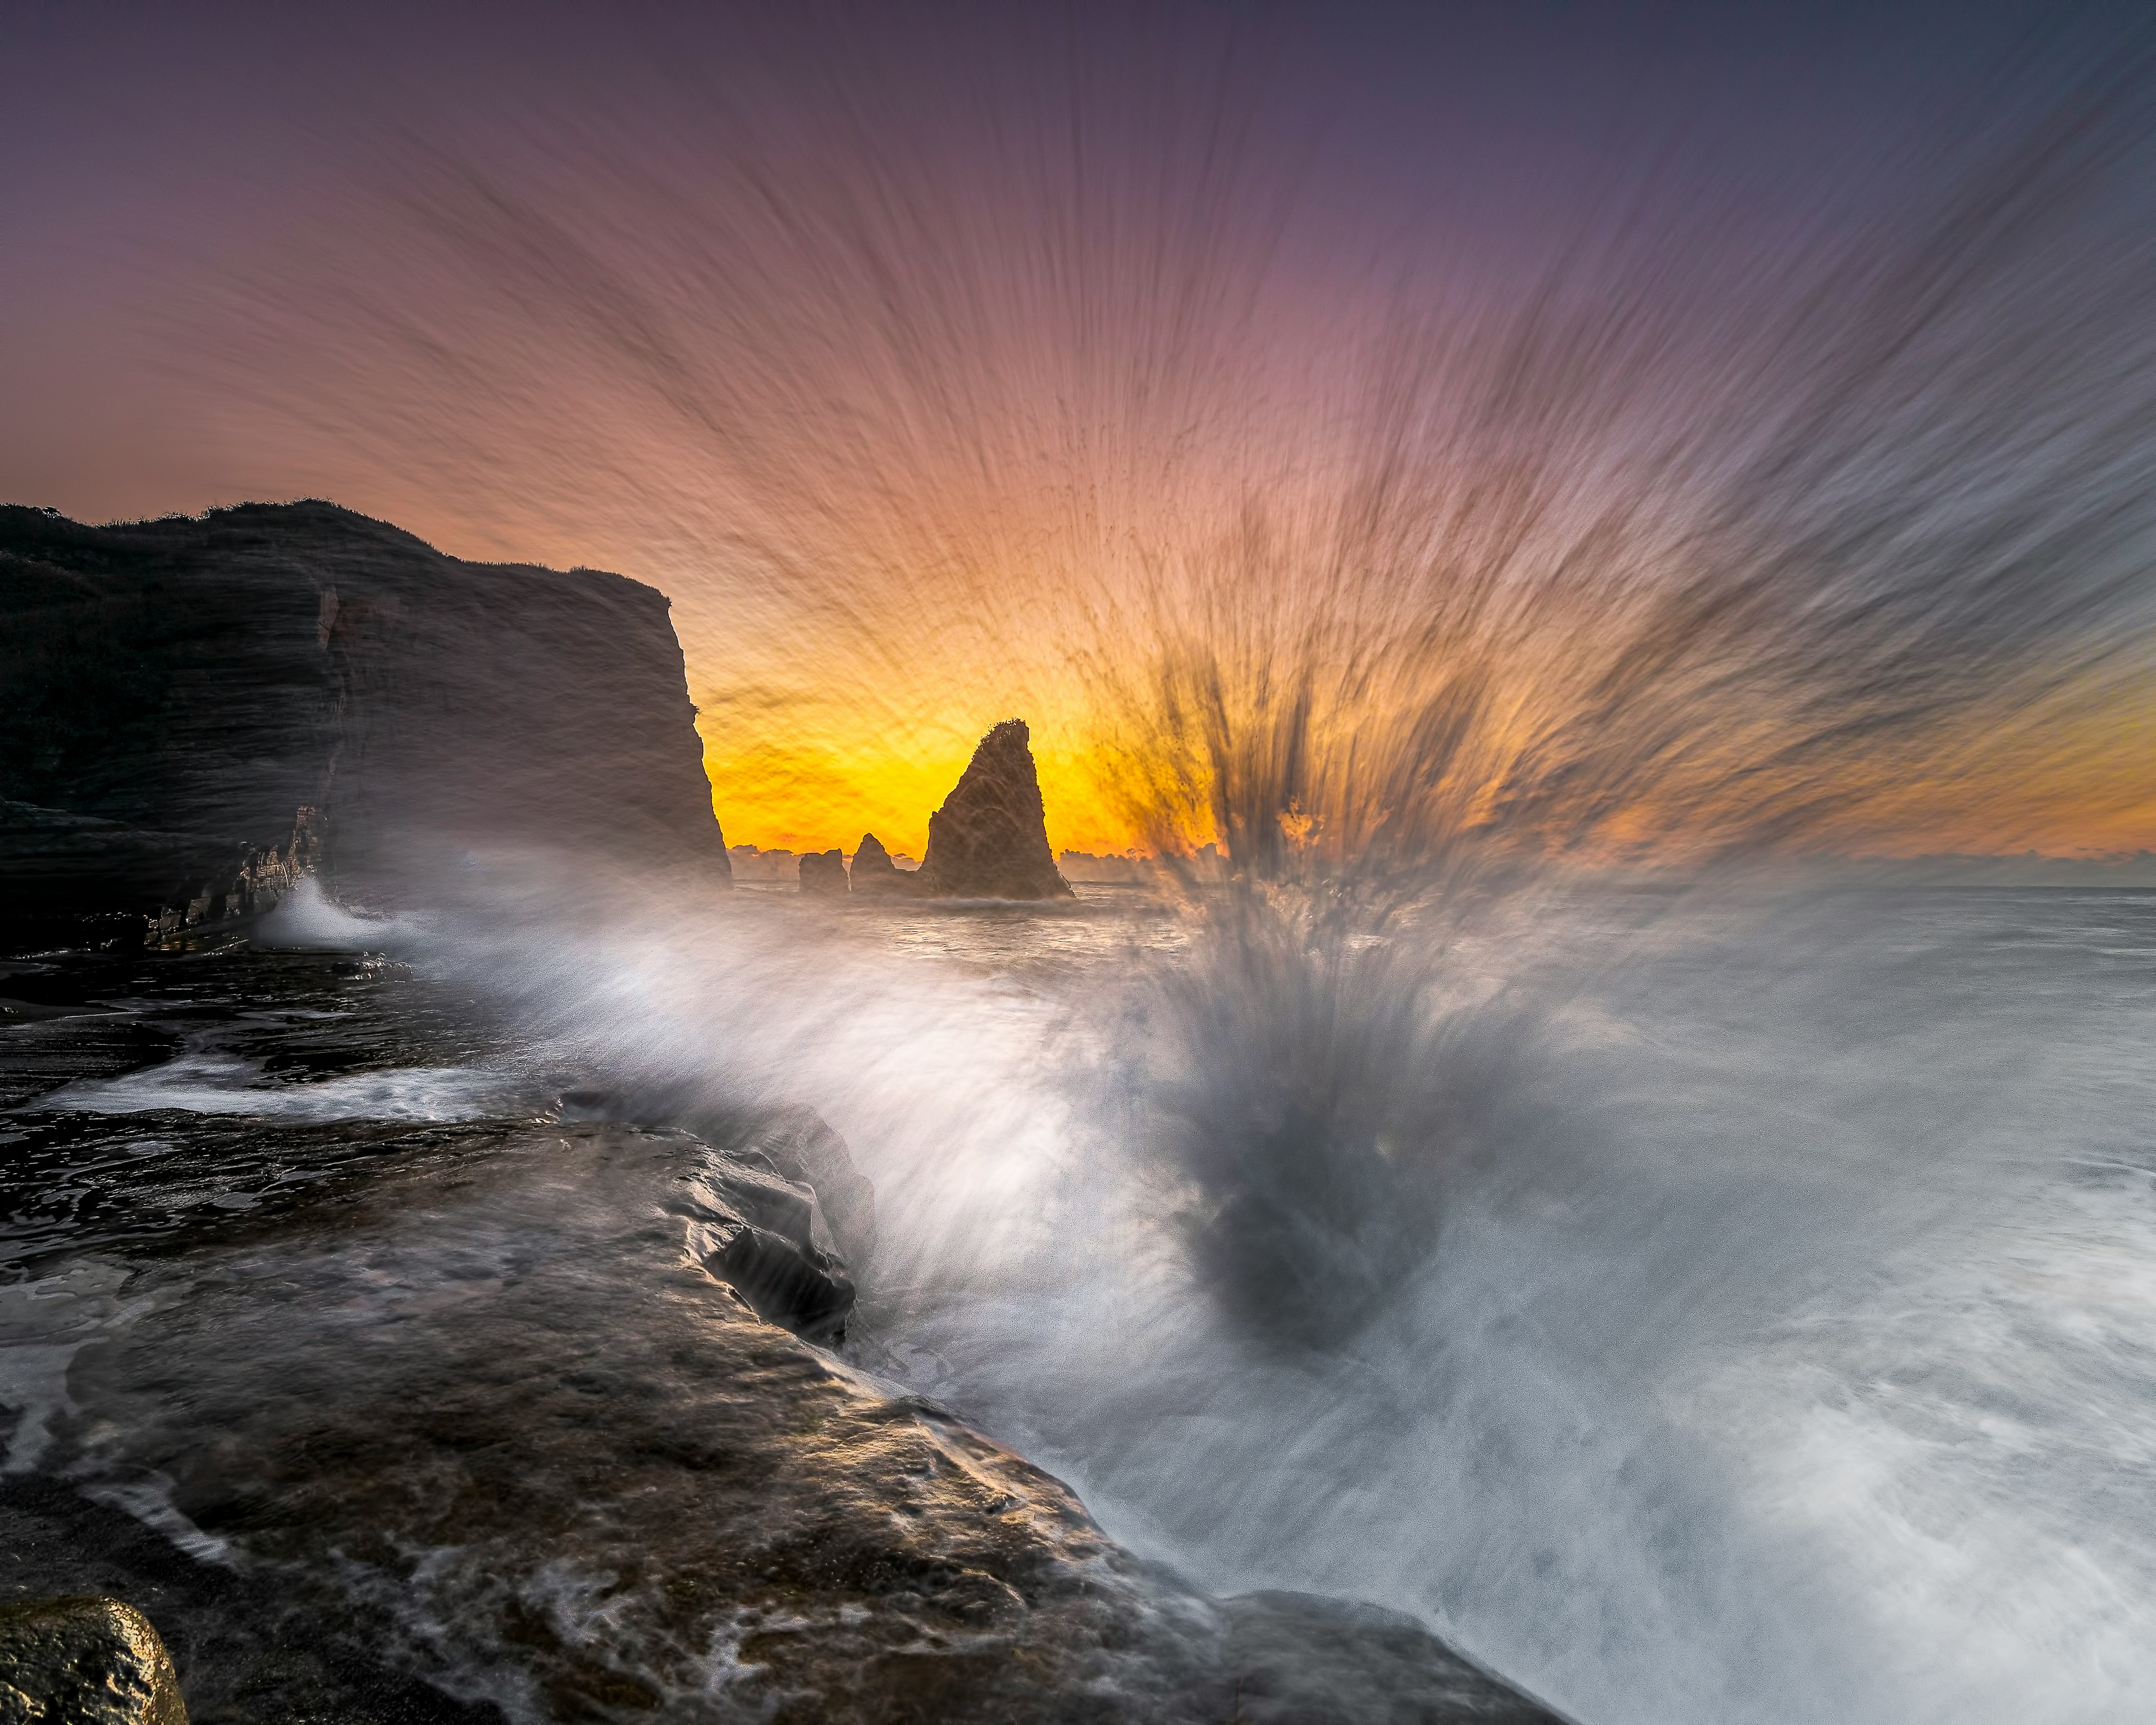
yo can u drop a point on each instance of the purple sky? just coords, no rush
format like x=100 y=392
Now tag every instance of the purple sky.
x=156 y=153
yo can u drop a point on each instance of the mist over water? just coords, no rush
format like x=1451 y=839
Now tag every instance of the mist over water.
x=1497 y=1180
x=1727 y=1311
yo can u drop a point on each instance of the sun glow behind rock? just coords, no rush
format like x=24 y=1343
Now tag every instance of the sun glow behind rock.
x=1043 y=383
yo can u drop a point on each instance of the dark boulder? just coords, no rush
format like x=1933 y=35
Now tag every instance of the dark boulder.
x=990 y=838
x=84 y=1661
x=823 y=873
x=802 y=1145
x=756 y=1230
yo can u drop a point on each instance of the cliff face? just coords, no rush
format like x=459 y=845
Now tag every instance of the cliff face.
x=990 y=838
x=173 y=693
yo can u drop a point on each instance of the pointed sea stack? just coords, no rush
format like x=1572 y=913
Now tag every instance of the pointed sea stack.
x=990 y=838
x=823 y=873
x=875 y=872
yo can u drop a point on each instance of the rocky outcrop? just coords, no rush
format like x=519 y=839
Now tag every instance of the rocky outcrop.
x=749 y=863
x=754 y=1230
x=802 y=1145
x=593 y=1479
x=990 y=838
x=875 y=874
x=778 y=1211
x=824 y=874
x=172 y=692
x=84 y=1661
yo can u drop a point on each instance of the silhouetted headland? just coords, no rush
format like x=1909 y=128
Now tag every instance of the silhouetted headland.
x=200 y=708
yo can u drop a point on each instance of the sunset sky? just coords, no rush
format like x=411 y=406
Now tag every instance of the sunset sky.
x=929 y=357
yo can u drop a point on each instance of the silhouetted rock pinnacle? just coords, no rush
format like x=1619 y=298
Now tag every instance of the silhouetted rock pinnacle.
x=875 y=872
x=824 y=872
x=990 y=839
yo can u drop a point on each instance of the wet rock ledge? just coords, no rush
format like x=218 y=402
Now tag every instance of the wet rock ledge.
x=482 y=1419
x=516 y=1423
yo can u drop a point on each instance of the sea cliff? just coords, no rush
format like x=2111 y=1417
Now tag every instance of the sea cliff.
x=200 y=708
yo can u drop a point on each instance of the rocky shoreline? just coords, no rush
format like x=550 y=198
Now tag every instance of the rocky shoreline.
x=391 y=1369
x=455 y=1418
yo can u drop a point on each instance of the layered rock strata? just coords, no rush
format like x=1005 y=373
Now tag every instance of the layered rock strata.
x=192 y=710
x=800 y=1145
x=754 y=1230
x=990 y=838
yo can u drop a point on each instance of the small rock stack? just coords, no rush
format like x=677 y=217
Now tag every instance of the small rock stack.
x=875 y=872
x=823 y=873
x=989 y=839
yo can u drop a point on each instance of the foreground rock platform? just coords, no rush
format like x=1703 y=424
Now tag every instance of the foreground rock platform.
x=461 y=1419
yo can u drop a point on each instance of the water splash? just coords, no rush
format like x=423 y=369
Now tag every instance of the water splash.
x=1431 y=1213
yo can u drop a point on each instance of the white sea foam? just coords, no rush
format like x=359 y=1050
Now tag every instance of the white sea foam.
x=43 y=1324
x=208 y=1083
x=307 y=916
x=1779 y=1352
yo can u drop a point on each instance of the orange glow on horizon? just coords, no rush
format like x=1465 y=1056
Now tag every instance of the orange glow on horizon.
x=1709 y=528
x=824 y=796
x=2062 y=801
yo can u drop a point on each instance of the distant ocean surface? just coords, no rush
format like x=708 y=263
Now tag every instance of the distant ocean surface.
x=1757 y=1300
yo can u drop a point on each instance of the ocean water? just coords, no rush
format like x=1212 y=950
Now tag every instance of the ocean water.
x=1754 y=1299
x=1696 y=1308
